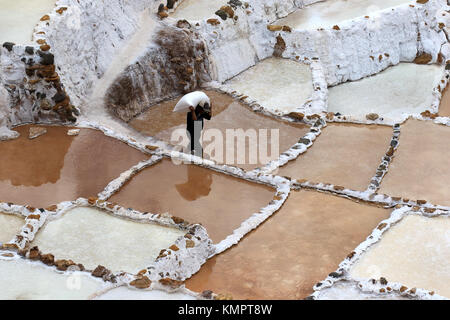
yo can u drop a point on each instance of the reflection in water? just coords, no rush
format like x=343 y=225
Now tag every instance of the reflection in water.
x=34 y=162
x=160 y=122
x=219 y=202
x=56 y=167
x=196 y=186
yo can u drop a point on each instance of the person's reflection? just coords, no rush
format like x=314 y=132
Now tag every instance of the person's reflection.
x=198 y=184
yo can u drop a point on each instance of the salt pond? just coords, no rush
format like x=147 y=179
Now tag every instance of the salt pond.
x=420 y=169
x=92 y=237
x=414 y=252
x=10 y=226
x=23 y=280
x=218 y=201
x=19 y=17
x=56 y=167
x=227 y=114
x=331 y=159
x=393 y=94
x=296 y=248
x=280 y=85
x=325 y=14
x=197 y=9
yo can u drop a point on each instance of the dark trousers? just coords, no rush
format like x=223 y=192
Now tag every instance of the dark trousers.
x=195 y=146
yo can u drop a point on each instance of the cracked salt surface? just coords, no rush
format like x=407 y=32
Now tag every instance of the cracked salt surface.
x=93 y=237
x=19 y=17
x=197 y=9
x=34 y=281
x=393 y=94
x=279 y=85
x=10 y=226
x=325 y=14
x=414 y=252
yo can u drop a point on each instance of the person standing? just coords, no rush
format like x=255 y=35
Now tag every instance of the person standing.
x=198 y=107
x=194 y=126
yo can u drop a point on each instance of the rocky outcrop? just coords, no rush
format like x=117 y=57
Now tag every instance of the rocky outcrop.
x=175 y=65
x=85 y=35
x=31 y=90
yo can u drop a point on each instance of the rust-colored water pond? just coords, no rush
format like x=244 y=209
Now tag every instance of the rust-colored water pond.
x=227 y=115
x=56 y=167
x=296 y=248
x=217 y=201
x=420 y=169
x=343 y=154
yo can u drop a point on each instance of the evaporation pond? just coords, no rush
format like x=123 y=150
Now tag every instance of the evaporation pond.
x=93 y=237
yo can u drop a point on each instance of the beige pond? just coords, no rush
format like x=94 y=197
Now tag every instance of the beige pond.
x=325 y=14
x=228 y=116
x=296 y=248
x=93 y=237
x=420 y=168
x=10 y=226
x=414 y=252
x=279 y=85
x=56 y=167
x=393 y=94
x=19 y=17
x=343 y=154
x=197 y=9
x=217 y=201
x=35 y=281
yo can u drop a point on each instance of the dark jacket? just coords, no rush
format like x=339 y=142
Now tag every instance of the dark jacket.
x=201 y=114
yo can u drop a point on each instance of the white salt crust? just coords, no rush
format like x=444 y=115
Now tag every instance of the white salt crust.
x=126 y=293
x=10 y=226
x=116 y=243
x=27 y=280
x=326 y=14
x=414 y=252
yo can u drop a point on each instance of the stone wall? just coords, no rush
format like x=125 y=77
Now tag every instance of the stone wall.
x=31 y=88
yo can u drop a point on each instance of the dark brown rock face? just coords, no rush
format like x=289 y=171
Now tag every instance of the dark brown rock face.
x=178 y=65
x=280 y=46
